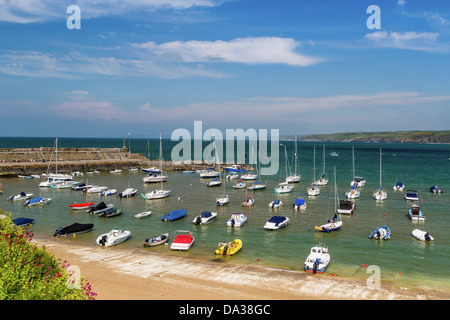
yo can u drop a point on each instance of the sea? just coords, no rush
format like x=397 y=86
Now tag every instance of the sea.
x=402 y=261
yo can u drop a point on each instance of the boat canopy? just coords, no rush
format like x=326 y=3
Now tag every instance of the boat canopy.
x=35 y=200
x=299 y=202
x=206 y=214
x=277 y=220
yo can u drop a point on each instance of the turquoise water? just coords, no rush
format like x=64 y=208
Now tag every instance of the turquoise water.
x=422 y=265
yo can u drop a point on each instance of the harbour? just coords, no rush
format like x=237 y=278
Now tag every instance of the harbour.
x=404 y=261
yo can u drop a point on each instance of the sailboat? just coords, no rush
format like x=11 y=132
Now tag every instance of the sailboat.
x=335 y=223
x=295 y=178
x=249 y=201
x=159 y=193
x=55 y=178
x=224 y=199
x=250 y=175
x=257 y=185
x=215 y=182
x=380 y=194
x=314 y=190
x=358 y=182
x=322 y=181
x=353 y=193
x=284 y=187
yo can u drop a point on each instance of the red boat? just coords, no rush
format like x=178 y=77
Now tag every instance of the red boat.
x=79 y=206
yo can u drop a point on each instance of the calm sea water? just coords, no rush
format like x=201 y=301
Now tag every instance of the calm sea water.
x=417 y=166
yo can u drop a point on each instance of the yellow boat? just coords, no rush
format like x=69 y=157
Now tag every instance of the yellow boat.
x=230 y=248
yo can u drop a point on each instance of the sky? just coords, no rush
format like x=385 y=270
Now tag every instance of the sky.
x=143 y=67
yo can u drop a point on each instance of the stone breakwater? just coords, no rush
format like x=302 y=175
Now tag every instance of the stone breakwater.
x=28 y=161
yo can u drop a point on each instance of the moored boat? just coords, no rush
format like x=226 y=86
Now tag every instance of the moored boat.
x=20 y=196
x=156 y=240
x=127 y=193
x=143 y=214
x=74 y=229
x=114 y=237
x=237 y=220
x=299 y=204
x=318 y=259
x=382 y=232
x=415 y=214
x=174 y=215
x=37 y=201
x=182 y=240
x=229 y=248
x=113 y=212
x=276 y=223
x=411 y=195
x=205 y=217
x=422 y=235
x=23 y=222
x=100 y=208
x=276 y=204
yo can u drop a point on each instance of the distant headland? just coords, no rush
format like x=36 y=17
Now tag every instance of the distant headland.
x=390 y=137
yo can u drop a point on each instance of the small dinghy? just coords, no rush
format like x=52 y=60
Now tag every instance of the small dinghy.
x=22 y=222
x=113 y=212
x=276 y=223
x=108 y=192
x=156 y=241
x=143 y=214
x=229 y=248
x=174 y=215
x=112 y=238
x=182 y=240
x=422 y=235
x=73 y=229
x=101 y=207
x=205 y=217
x=80 y=206
x=382 y=232
x=237 y=220
x=318 y=259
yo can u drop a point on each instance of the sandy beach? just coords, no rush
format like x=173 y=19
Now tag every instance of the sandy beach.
x=117 y=274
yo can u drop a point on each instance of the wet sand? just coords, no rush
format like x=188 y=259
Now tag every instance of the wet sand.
x=124 y=274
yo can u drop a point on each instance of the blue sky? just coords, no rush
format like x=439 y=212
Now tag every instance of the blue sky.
x=147 y=66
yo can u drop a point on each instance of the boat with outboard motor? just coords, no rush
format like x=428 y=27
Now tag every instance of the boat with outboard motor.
x=156 y=240
x=114 y=237
x=174 y=215
x=422 y=235
x=276 y=223
x=229 y=248
x=205 y=217
x=182 y=240
x=237 y=220
x=318 y=259
x=382 y=232
x=73 y=229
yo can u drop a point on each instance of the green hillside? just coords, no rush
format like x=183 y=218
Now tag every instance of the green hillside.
x=397 y=137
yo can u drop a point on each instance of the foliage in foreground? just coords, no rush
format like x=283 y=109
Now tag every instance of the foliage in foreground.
x=28 y=272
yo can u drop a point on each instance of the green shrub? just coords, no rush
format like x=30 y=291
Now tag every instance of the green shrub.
x=28 y=272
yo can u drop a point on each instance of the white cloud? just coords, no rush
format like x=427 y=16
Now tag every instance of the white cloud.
x=258 y=50
x=401 y=3
x=411 y=40
x=26 y=11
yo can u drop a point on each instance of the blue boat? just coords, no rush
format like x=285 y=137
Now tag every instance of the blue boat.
x=382 y=232
x=299 y=204
x=174 y=215
x=435 y=189
x=22 y=222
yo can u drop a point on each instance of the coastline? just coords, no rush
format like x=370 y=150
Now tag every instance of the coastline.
x=119 y=274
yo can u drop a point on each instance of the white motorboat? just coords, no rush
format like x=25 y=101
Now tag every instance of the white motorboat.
x=422 y=235
x=222 y=200
x=96 y=189
x=143 y=214
x=205 y=217
x=182 y=240
x=411 y=195
x=249 y=176
x=20 y=196
x=127 y=193
x=156 y=194
x=299 y=204
x=65 y=185
x=54 y=179
x=346 y=207
x=399 y=186
x=116 y=171
x=232 y=176
x=37 y=201
x=108 y=192
x=276 y=223
x=276 y=204
x=114 y=237
x=318 y=259
x=415 y=214
x=237 y=220
x=155 y=178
